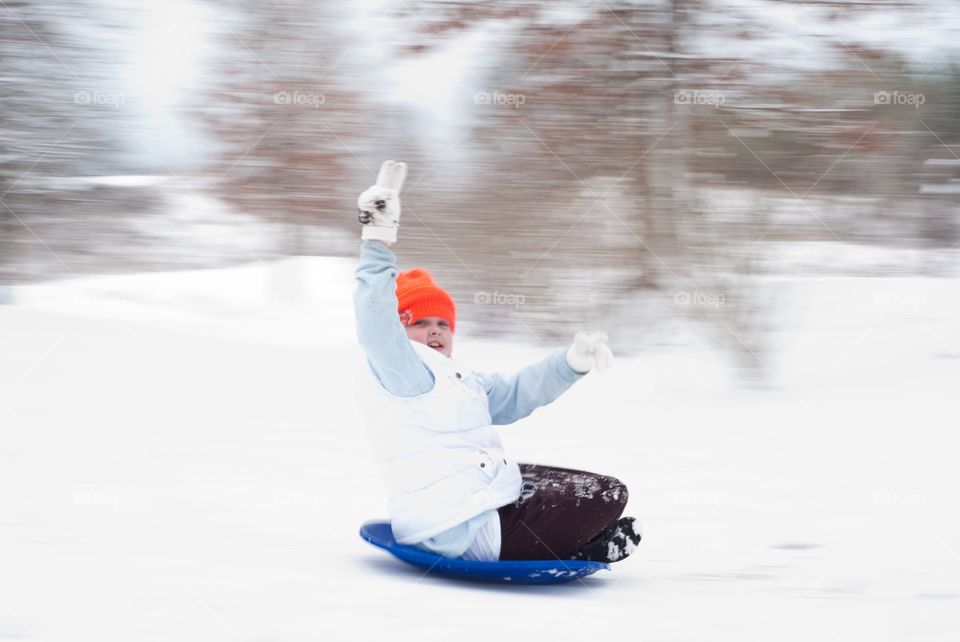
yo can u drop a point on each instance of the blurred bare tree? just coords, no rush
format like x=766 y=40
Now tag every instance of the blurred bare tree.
x=609 y=163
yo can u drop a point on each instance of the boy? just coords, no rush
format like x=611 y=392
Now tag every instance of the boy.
x=453 y=490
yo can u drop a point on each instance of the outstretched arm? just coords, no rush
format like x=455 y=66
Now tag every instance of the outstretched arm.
x=389 y=354
x=514 y=397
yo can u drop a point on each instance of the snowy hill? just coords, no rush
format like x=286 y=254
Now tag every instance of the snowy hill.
x=182 y=459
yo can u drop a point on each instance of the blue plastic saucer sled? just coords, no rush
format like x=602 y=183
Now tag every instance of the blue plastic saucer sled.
x=379 y=534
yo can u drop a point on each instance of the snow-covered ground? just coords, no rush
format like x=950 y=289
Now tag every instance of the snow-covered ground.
x=181 y=459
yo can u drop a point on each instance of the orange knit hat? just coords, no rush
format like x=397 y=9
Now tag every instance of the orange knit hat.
x=418 y=296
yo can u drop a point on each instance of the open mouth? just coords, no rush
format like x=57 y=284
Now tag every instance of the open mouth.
x=435 y=344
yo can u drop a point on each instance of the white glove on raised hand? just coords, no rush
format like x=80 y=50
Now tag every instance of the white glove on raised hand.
x=589 y=351
x=380 y=205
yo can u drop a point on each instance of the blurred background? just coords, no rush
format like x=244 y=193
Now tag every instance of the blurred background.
x=759 y=200
x=662 y=169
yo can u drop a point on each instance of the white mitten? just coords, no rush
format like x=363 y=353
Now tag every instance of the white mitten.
x=380 y=205
x=590 y=350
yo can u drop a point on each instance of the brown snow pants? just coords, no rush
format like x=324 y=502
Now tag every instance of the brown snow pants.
x=558 y=511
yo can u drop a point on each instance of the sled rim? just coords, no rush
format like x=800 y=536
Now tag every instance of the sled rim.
x=378 y=533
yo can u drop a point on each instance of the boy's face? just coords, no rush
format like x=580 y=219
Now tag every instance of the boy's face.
x=434 y=332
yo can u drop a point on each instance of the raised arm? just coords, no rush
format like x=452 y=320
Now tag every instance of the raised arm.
x=391 y=357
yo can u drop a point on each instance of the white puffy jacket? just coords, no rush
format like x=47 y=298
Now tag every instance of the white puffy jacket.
x=438 y=454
